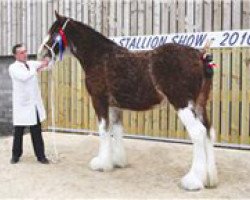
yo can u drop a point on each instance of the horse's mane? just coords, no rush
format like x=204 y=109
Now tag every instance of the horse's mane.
x=96 y=34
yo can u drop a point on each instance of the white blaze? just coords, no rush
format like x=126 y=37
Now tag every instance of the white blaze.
x=41 y=48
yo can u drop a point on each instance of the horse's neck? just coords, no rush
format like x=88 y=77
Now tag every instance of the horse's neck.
x=90 y=47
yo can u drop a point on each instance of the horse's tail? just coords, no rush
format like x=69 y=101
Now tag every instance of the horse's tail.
x=201 y=102
x=208 y=69
x=207 y=59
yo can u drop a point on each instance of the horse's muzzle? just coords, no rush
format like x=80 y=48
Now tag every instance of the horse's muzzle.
x=43 y=51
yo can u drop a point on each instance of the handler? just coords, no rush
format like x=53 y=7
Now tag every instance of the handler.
x=28 y=108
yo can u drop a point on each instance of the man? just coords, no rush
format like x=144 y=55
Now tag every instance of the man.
x=28 y=109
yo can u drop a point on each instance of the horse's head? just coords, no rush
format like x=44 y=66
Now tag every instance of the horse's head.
x=56 y=41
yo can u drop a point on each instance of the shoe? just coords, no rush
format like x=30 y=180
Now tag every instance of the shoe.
x=14 y=160
x=43 y=160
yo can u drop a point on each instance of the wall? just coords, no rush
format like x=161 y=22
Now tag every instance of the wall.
x=28 y=21
x=6 y=97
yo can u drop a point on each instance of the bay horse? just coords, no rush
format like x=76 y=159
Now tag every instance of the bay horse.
x=117 y=79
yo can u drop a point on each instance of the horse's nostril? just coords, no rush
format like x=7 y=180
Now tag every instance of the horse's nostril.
x=48 y=54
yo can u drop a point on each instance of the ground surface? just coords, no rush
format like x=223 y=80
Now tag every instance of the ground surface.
x=154 y=172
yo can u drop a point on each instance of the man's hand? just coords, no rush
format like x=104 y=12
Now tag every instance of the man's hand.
x=44 y=64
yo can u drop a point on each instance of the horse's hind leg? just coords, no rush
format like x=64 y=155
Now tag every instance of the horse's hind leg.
x=103 y=161
x=212 y=177
x=119 y=157
x=196 y=177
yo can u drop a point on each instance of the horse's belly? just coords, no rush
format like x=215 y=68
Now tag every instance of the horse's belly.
x=138 y=101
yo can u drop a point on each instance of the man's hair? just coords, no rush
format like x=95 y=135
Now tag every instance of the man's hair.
x=14 y=48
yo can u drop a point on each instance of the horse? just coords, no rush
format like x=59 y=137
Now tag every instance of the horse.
x=118 y=79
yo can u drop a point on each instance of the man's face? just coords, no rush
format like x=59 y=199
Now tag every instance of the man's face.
x=21 y=54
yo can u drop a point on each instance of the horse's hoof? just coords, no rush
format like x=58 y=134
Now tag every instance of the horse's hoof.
x=191 y=182
x=212 y=179
x=120 y=161
x=98 y=164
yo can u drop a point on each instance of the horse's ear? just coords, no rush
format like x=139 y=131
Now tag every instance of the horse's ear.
x=58 y=17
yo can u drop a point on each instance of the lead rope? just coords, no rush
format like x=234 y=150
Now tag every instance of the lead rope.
x=53 y=157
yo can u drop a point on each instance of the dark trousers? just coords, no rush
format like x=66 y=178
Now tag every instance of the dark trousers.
x=36 y=136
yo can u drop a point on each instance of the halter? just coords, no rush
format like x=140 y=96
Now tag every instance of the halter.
x=61 y=40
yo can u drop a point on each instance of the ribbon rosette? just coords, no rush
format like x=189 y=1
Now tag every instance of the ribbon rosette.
x=62 y=42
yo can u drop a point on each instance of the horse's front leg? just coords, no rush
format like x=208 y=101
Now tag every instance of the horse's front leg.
x=119 y=157
x=103 y=161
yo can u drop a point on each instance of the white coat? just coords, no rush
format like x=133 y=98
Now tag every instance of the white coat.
x=26 y=94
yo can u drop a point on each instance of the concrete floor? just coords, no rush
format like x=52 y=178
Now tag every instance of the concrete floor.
x=154 y=171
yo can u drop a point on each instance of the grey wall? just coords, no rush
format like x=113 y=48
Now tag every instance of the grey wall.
x=6 y=126
x=5 y=97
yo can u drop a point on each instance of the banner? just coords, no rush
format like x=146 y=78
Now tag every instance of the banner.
x=225 y=39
